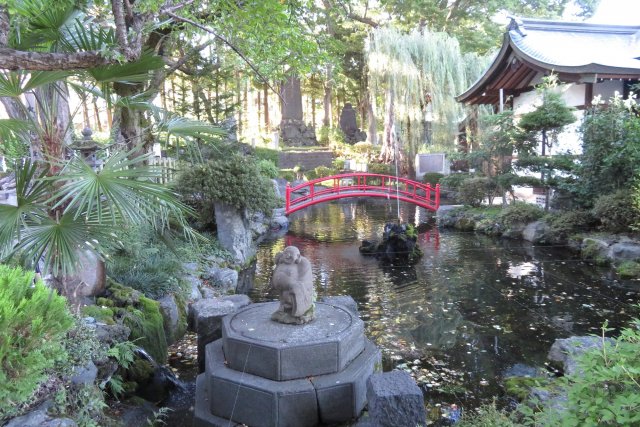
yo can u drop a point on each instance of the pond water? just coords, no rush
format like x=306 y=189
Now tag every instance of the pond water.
x=472 y=311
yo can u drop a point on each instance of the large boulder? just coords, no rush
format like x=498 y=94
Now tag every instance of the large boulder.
x=174 y=313
x=624 y=251
x=234 y=232
x=395 y=400
x=536 y=232
x=206 y=319
x=39 y=417
x=565 y=351
x=225 y=279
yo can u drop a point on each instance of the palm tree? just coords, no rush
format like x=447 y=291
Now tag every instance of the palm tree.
x=65 y=207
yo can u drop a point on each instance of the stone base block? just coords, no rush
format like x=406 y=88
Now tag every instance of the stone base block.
x=202 y=417
x=395 y=400
x=256 y=401
x=342 y=396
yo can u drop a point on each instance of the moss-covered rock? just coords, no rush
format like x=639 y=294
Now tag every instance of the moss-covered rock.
x=147 y=328
x=520 y=387
x=628 y=270
x=100 y=313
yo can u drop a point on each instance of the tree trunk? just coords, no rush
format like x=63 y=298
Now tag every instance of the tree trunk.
x=328 y=92
x=265 y=92
x=371 y=116
x=387 y=153
x=96 y=116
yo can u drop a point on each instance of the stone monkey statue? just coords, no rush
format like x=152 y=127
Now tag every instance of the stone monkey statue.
x=293 y=278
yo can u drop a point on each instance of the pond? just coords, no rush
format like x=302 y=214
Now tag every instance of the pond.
x=472 y=311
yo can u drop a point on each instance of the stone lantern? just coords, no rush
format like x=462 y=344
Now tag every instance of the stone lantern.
x=88 y=148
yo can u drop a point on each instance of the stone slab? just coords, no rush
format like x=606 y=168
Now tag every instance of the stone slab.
x=256 y=401
x=343 y=395
x=395 y=400
x=202 y=417
x=257 y=345
x=207 y=317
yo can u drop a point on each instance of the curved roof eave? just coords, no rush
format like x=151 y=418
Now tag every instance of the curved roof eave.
x=487 y=75
x=591 y=68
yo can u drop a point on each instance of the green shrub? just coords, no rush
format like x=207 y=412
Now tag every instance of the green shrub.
x=486 y=416
x=564 y=224
x=33 y=321
x=322 y=171
x=519 y=213
x=338 y=164
x=628 y=270
x=453 y=181
x=149 y=263
x=473 y=191
x=607 y=390
x=616 y=211
x=432 y=178
x=363 y=148
x=287 y=174
x=311 y=175
x=268 y=168
x=323 y=136
x=380 y=168
x=267 y=154
x=235 y=180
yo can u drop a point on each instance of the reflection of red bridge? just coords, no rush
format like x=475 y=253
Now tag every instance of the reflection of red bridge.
x=361 y=185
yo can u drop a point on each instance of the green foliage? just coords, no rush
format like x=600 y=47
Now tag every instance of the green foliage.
x=453 y=181
x=268 y=169
x=235 y=180
x=141 y=315
x=610 y=157
x=616 y=212
x=432 y=178
x=33 y=321
x=319 y=172
x=338 y=164
x=267 y=154
x=287 y=174
x=486 y=416
x=149 y=262
x=473 y=191
x=628 y=270
x=363 y=148
x=380 y=168
x=564 y=224
x=519 y=213
x=323 y=136
x=607 y=390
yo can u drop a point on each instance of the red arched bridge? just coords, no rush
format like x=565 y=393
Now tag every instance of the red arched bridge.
x=361 y=185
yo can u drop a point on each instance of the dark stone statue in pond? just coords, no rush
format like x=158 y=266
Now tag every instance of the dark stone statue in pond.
x=293 y=279
x=399 y=242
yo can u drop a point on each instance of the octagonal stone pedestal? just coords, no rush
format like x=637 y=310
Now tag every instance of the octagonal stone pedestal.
x=324 y=368
x=257 y=345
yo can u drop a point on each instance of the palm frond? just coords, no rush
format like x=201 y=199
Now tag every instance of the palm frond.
x=13 y=84
x=123 y=190
x=83 y=37
x=182 y=126
x=128 y=72
x=57 y=242
x=30 y=209
x=42 y=22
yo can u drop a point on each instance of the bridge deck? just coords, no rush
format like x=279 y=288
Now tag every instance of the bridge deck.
x=361 y=185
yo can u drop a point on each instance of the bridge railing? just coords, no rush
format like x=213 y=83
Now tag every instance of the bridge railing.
x=361 y=185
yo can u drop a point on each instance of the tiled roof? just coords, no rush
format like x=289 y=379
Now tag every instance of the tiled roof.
x=576 y=51
x=585 y=47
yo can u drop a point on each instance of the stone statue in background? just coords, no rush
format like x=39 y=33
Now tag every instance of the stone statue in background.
x=293 y=279
x=349 y=125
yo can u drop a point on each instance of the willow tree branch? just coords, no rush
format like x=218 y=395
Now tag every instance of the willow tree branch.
x=228 y=43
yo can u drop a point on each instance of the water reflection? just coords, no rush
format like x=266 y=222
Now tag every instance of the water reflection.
x=471 y=309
